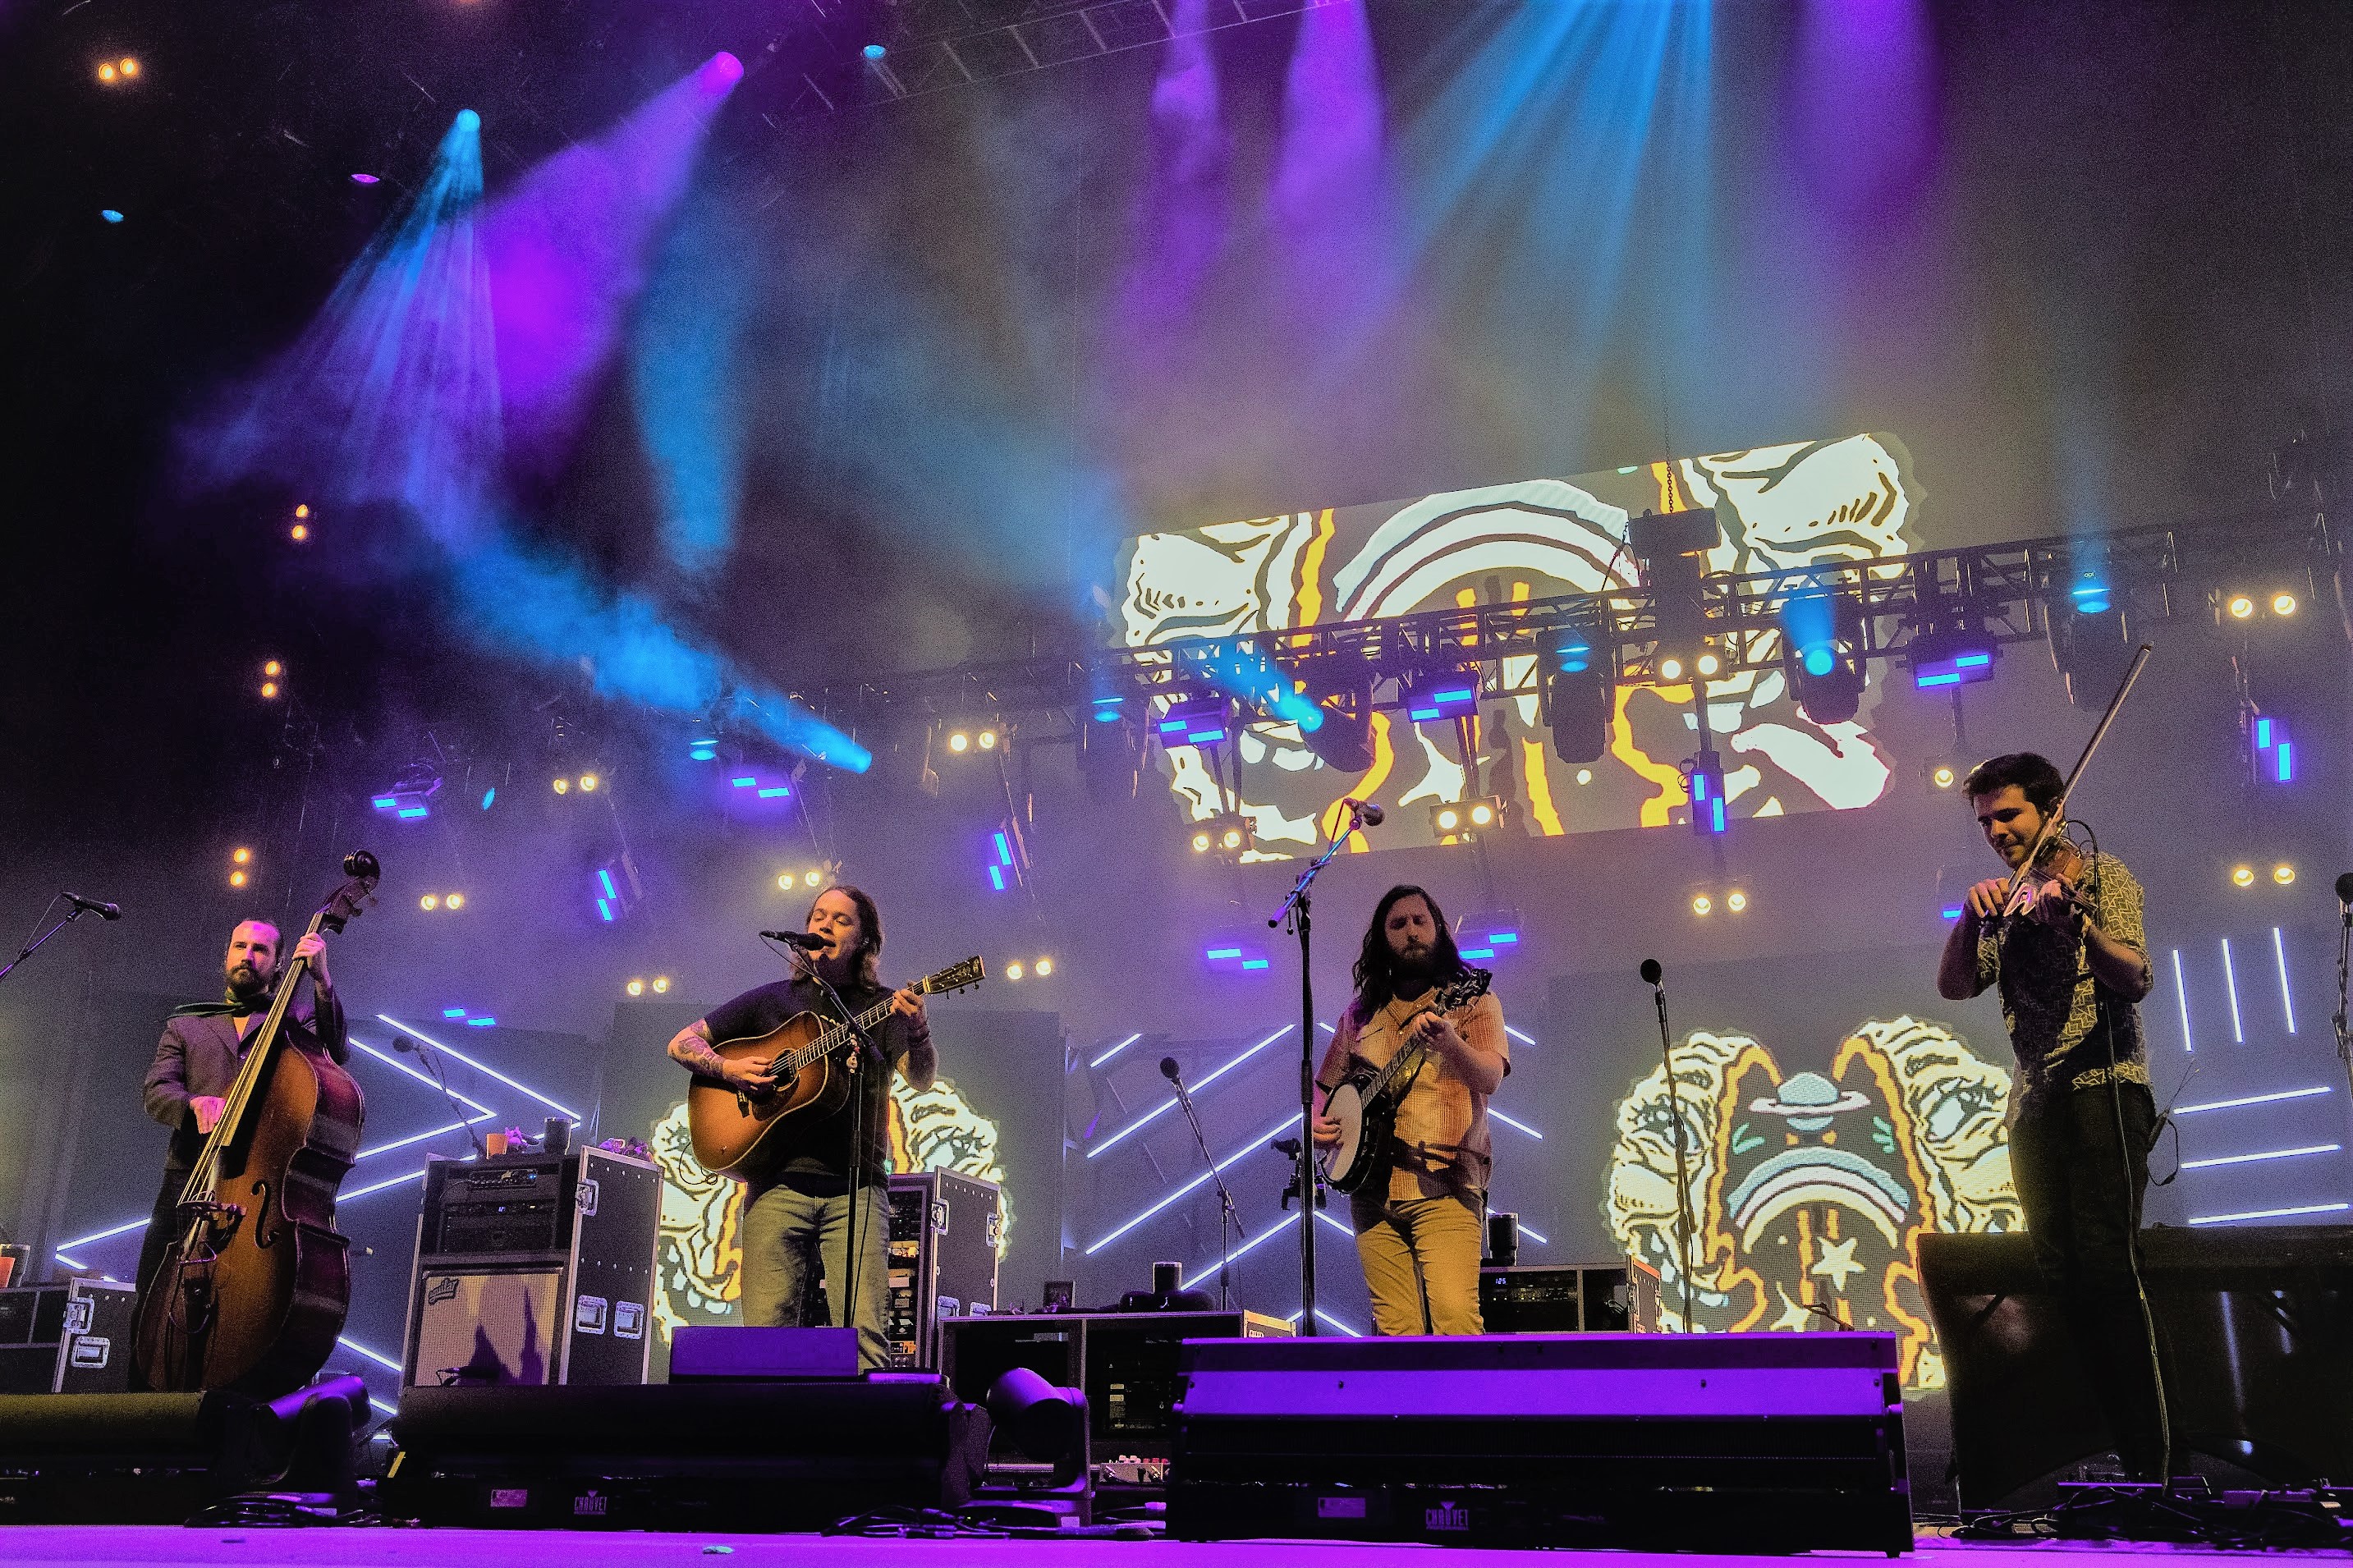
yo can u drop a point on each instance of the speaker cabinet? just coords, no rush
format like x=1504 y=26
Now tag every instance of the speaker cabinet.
x=534 y=1268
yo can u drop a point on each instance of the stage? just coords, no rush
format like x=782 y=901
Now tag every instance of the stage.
x=99 y=1546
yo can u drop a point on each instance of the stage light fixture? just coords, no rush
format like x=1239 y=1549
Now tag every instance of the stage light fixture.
x=985 y=740
x=1043 y=967
x=1944 y=775
x=1737 y=901
x=811 y=878
x=702 y=749
x=299 y=532
x=1576 y=693
x=1342 y=738
x=301 y=512
x=1708 y=664
x=2283 y=604
x=2242 y=875
x=2269 y=748
x=1014 y=971
x=109 y=215
x=588 y=782
x=1670 y=668
x=1228 y=836
x=959 y=743
x=2284 y=873
x=1943 y=657
x=563 y=787
x=1467 y=818
x=273 y=668
x=129 y=67
x=875 y=51
x=455 y=900
x=1703 y=782
x=1195 y=721
x=1821 y=654
x=1451 y=695
x=1702 y=904
x=240 y=856
x=237 y=878
x=270 y=691
x=661 y=984
x=635 y=988
x=2241 y=606
x=107 y=73
x=428 y=901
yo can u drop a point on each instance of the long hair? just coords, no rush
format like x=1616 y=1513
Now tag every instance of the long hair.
x=1377 y=961
x=870 y=924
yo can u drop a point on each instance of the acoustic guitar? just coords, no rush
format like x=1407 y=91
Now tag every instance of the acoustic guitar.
x=1365 y=1101
x=743 y=1135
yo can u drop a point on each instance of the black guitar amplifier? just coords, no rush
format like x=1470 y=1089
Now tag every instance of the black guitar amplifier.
x=533 y=1269
x=945 y=1227
x=73 y=1337
x=1553 y=1299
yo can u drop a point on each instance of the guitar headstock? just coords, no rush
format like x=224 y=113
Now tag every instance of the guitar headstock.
x=348 y=903
x=954 y=977
x=1464 y=989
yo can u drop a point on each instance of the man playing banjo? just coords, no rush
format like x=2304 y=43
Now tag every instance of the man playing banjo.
x=1418 y=1224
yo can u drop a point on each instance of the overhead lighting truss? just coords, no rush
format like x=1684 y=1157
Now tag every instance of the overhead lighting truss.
x=2006 y=593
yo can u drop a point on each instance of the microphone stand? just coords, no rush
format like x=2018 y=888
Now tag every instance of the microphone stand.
x=2344 y=974
x=848 y=1306
x=1299 y=909
x=423 y=1053
x=1682 y=1155
x=34 y=946
x=1227 y=1214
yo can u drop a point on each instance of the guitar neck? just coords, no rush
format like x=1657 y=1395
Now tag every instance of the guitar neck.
x=837 y=1036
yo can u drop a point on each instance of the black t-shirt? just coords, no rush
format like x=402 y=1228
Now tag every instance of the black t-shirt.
x=820 y=1163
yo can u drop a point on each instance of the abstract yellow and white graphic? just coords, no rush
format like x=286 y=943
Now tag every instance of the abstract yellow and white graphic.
x=1811 y=1189
x=700 y=1257
x=1811 y=503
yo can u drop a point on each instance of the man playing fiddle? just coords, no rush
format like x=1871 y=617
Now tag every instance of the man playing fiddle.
x=2072 y=961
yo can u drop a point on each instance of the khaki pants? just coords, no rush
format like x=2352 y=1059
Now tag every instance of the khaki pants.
x=789 y=1236
x=1421 y=1264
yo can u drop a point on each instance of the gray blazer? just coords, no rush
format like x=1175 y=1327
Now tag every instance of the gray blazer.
x=201 y=1057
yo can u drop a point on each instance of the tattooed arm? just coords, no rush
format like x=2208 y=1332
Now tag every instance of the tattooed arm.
x=691 y=1048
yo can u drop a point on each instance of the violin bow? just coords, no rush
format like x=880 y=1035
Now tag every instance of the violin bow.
x=2056 y=816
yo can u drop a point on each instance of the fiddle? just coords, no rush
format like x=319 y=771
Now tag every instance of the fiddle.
x=2058 y=864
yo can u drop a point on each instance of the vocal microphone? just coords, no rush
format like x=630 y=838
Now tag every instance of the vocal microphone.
x=1651 y=971
x=92 y=906
x=806 y=941
x=1367 y=812
x=2344 y=890
x=1168 y=1071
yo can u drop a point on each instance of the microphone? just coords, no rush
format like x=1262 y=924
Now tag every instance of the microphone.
x=403 y=1044
x=805 y=941
x=1651 y=971
x=2344 y=890
x=1367 y=812
x=114 y=911
x=1226 y=1213
x=1168 y=1064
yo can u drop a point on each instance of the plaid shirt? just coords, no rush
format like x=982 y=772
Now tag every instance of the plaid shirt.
x=2052 y=1004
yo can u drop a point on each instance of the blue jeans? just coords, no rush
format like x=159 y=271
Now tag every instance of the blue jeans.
x=791 y=1237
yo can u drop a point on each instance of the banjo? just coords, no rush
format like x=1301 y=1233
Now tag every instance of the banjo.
x=1365 y=1101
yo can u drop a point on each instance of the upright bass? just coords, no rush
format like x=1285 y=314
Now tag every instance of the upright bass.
x=255 y=1285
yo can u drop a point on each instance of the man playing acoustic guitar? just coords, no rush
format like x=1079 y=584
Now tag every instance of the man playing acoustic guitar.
x=796 y=1207
x=1418 y=1226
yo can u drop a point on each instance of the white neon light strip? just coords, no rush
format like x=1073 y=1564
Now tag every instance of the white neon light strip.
x=380 y=1186
x=479 y=1067
x=1521 y=1125
x=2269 y=1214
x=1536 y=1235
x=2287 y=1003
x=1209 y=1268
x=2265 y=1155
x=73 y=1262
x=1335 y=1225
x=1327 y=1028
x=1516 y=1034
x=1169 y=1104
x=1116 y=1049
x=418 y=1137
x=468 y=1101
x=380 y=1404
x=1323 y=1317
x=96 y=1236
x=1249 y=1148
x=2251 y=1100
x=377 y=1356
x=2181 y=998
x=2230 y=979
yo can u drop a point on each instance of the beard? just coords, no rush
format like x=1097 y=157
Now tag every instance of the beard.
x=1414 y=969
x=246 y=982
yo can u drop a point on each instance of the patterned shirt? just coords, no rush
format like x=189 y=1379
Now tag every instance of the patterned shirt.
x=1441 y=1146
x=2052 y=1004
